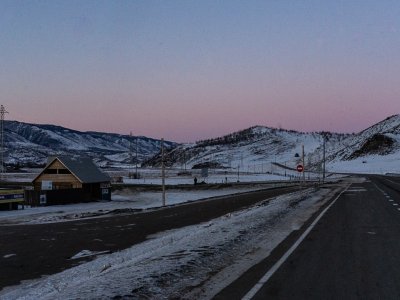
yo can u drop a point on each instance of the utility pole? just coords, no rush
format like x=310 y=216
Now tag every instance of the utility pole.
x=136 y=158
x=323 y=160
x=304 y=167
x=162 y=172
x=2 y=113
x=130 y=156
x=184 y=157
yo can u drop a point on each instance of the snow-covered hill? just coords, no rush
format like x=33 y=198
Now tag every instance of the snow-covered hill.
x=262 y=149
x=373 y=150
x=31 y=144
x=254 y=149
x=382 y=139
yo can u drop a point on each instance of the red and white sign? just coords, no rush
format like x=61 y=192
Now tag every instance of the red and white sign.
x=300 y=168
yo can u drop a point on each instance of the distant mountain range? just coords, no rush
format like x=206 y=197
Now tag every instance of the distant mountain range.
x=257 y=148
x=31 y=145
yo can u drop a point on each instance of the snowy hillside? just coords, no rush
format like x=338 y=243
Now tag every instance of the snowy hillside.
x=32 y=144
x=373 y=150
x=262 y=149
x=255 y=149
x=382 y=138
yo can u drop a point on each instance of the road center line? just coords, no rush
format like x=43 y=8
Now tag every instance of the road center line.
x=276 y=266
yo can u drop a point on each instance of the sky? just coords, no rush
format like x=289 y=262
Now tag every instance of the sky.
x=190 y=70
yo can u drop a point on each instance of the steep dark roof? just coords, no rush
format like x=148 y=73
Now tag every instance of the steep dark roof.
x=82 y=167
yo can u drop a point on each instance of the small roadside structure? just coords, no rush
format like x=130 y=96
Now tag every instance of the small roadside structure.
x=11 y=198
x=68 y=179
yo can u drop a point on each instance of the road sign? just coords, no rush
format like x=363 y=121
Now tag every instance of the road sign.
x=300 y=168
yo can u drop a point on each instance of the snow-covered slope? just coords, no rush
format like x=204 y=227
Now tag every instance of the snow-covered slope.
x=254 y=149
x=373 y=150
x=382 y=138
x=262 y=149
x=32 y=144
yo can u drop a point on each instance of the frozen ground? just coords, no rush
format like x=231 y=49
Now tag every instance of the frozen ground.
x=193 y=262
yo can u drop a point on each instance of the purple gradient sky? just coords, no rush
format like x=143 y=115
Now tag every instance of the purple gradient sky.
x=189 y=70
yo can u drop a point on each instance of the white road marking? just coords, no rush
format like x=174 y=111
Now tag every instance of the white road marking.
x=276 y=266
x=396 y=183
x=386 y=195
x=357 y=190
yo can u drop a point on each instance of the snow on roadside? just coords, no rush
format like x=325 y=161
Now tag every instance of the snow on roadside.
x=124 y=199
x=178 y=263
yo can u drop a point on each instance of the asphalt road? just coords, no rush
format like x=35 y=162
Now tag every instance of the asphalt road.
x=353 y=252
x=46 y=249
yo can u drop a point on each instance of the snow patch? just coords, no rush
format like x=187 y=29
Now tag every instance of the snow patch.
x=87 y=253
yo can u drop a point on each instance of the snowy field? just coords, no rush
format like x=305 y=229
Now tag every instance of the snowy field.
x=153 y=176
x=193 y=262
x=373 y=164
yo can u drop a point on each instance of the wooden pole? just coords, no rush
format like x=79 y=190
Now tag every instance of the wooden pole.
x=304 y=167
x=162 y=172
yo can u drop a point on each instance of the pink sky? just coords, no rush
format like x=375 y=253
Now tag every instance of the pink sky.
x=186 y=71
